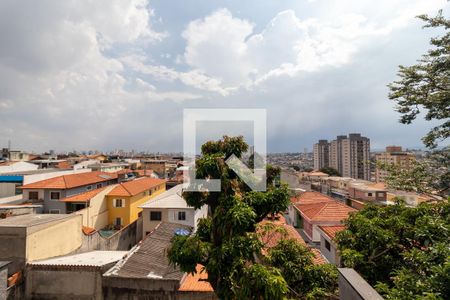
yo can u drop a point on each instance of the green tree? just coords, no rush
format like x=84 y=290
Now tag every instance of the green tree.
x=227 y=243
x=330 y=171
x=404 y=252
x=426 y=85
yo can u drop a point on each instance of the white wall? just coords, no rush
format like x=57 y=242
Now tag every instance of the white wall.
x=200 y=213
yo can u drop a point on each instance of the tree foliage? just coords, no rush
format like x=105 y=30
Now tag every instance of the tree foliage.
x=426 y=85
x=226 y=243
x=404 y=252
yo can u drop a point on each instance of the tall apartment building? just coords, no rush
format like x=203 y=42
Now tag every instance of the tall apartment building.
x=348 y=155
x=393 y=155
x=321 y=154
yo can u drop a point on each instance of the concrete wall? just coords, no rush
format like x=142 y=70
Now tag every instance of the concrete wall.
x=57 y=239
x=168 y=215
x=353 y=286
x=96 y=215
x=332 y=254
x=7 y=189
x=13 y=247
x=3 y=282
x=121 y=240
x=64 y=284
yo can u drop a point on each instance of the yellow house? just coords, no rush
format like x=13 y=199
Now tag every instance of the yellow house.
x=124 y=200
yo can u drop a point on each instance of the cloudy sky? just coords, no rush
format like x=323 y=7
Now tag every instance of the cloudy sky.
x=108 y=74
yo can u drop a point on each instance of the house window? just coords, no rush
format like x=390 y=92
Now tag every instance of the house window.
x=155 y=216
x=54 y=195
x=118 y=222
x=89 y=187
x=99 y=185
x=119 y=203
x=181 y=216
x=369 y=194
x=54 y=211
x=327 y=245
x=33 y=195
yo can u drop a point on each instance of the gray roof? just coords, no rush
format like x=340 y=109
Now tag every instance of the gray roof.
x=33 y=219
x=87 y=259
x=149 y=260
x=169 y=199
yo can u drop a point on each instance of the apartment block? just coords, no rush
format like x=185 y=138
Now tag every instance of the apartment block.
x=347 y=154
x=393 y=155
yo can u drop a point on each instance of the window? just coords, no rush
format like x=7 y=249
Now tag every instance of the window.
x=33 y=195
x=99 y=185
x=327 y=245
x=89 y=187
x=369 y=194
x=119 y=203
x=118 y=222
x=155 y=216
x=181 y=216
x=54 y=211
x=54 y=195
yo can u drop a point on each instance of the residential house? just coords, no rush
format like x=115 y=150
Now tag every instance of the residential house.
x=107 y=167
x=411 y=198
x=170 y=206
x=328 y=246
x=361 y=192
x=51 y=191
x=147 y=274
x=315 y=210
x=77 y=276
x=125 y=200
x=158 y=166
x=38 y=236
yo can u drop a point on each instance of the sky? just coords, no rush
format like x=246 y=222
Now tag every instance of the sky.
x=113 y=74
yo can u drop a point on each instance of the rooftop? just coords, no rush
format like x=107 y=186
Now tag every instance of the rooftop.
x=87 y=259
x=83 y=197
x=311 y=197
x=331 y=231
x=169 y=199
x=196 y=282
x=32 y=220
x=149 y=259
x=134 y=187
x=325 y=211
x=71 y=181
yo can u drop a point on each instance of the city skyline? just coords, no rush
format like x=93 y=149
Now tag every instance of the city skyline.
x=74 y=79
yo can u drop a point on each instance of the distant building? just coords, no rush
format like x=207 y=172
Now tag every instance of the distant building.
x=393 y=155
x=170 y=206
x=348 y=155
x=107 y=167
x=125 y=200
x=321 y=154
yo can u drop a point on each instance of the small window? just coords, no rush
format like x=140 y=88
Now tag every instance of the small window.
x=369 y=194
x=89 y=187
x=33 y=195
x=54 y=195
x=327 y=245
x=118 y=222
x=99 y=185
x=155 y=216
x=119 y=203
x=181 y=216
x=54 y=211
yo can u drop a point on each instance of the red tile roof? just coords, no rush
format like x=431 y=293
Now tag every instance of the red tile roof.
x=71 y=181
x=134 y=187
x=271 y=238
x=83 y=197
x=331 y=230
x=311 y=197
x=63 y=165
x=325 y=211
x=196 y=282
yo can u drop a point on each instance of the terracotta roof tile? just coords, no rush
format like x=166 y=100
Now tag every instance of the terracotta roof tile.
x=71 y=181
x=332 y=230
x=196 y=282
x=311 y=197
x=83 y=197
x=272 y=238
x=134 y=187
x=325 y=211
